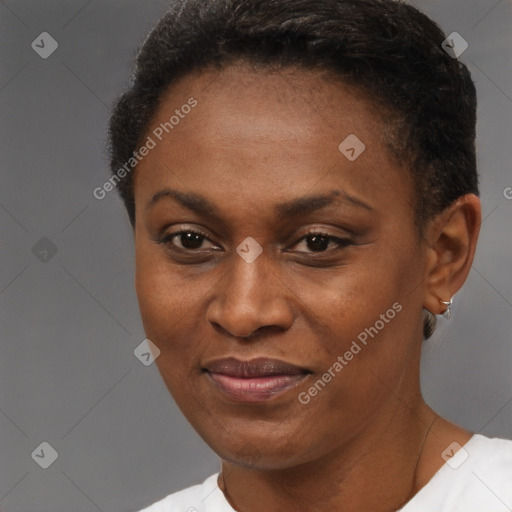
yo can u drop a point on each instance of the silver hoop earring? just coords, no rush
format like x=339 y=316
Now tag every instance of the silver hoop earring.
x=447 y=313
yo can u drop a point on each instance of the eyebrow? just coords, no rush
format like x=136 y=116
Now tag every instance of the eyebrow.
x=300 y=206
x=310 y=204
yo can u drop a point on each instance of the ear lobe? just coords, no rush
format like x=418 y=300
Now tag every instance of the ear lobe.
x=451 y=237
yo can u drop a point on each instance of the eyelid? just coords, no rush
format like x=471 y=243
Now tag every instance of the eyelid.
x=196 y=231
x=325 y=232
x=321 y=231
x=165 y=236
x=340 y=241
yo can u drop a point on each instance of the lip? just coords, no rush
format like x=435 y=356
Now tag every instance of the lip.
x=255 y=380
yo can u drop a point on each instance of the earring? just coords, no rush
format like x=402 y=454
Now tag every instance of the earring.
x=447 y=313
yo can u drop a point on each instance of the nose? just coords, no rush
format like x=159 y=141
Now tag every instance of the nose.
x=251 y=297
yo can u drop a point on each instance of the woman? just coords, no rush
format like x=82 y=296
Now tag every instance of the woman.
x=301 y=180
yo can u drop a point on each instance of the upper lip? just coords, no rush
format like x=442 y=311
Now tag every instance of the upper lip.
x=258 y=367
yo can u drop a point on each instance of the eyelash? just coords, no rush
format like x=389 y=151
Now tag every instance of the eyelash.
x=166 y=239
x=341 y=242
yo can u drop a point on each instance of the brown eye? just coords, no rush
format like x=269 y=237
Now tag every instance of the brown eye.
x=190 y=240
x=185 y=240
x=317 y=243
x=321 y=242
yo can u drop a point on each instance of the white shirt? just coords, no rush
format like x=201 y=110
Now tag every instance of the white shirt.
x=478 y=478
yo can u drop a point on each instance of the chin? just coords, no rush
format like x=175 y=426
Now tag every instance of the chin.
x=259 y=452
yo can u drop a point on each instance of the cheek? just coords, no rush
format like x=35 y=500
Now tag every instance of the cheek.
x=166 y=300
x=346 y=301
x=365 y=313
x=166 y=308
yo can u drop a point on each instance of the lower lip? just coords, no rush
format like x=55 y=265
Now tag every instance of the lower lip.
x=257 y=389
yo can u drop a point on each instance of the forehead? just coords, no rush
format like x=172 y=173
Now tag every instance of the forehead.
x=276 y=133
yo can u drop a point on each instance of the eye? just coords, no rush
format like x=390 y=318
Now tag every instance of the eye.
x=188 y=240
x=317 y=242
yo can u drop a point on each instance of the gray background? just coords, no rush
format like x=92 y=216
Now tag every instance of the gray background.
x=69 y=325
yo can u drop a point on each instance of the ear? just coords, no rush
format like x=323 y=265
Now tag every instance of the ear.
x=451 y=239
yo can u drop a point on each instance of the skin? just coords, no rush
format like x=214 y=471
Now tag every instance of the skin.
x=257 y=139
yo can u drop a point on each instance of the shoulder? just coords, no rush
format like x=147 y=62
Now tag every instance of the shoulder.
x=492 y=464
x=198 y=498
x=477 y=477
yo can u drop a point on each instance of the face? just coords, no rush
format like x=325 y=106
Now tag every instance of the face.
x=279 y=273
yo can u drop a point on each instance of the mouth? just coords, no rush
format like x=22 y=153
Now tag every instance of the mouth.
x=256 y=380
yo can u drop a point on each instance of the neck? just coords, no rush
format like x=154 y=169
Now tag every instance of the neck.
x=376 y=470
